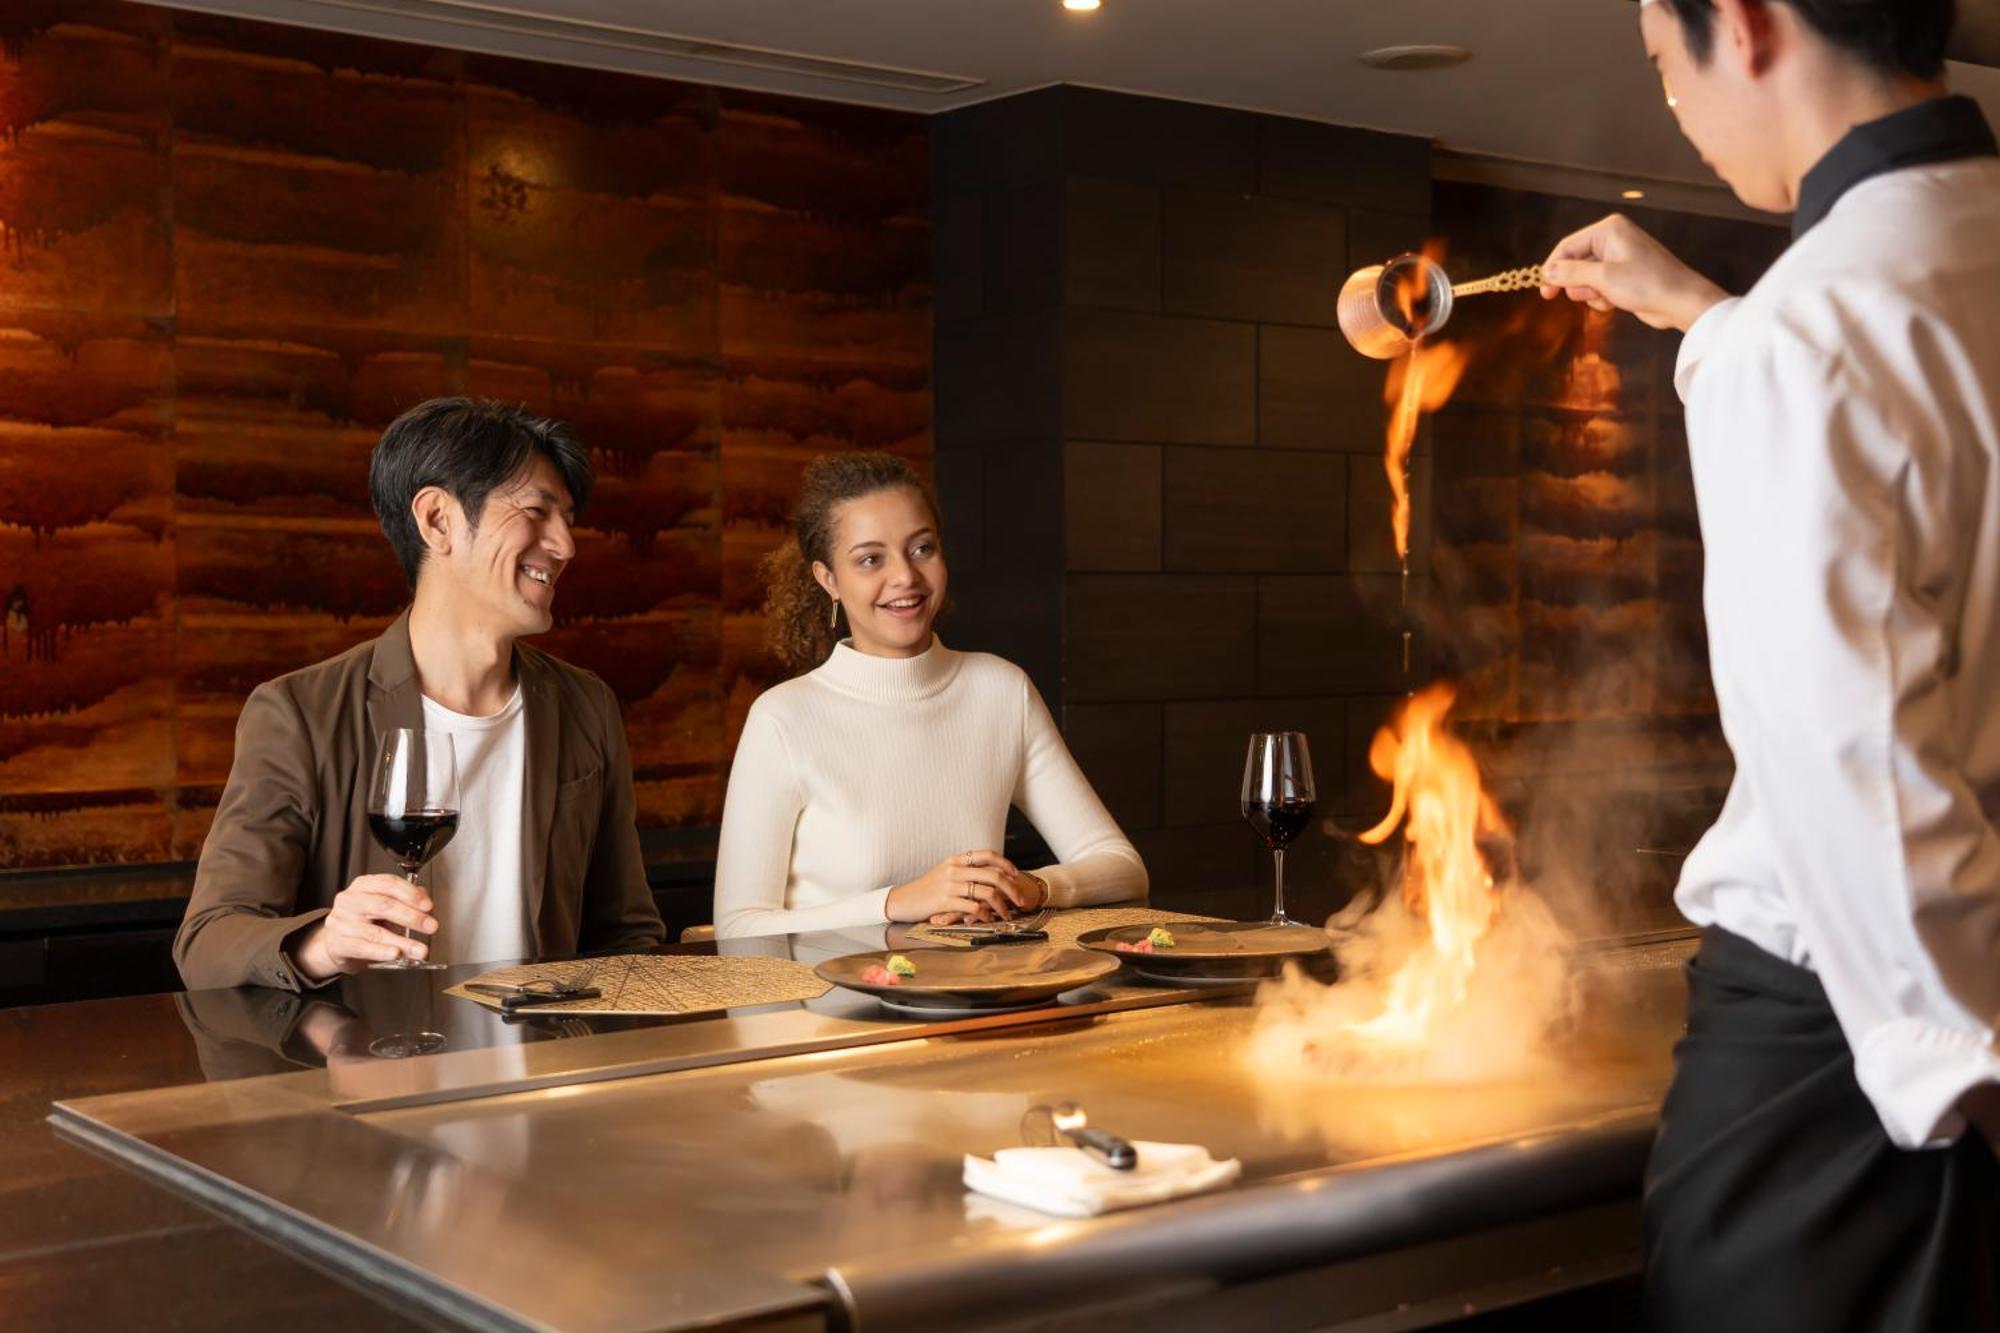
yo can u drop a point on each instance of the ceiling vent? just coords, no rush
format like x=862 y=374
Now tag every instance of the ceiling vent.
x=498 y=18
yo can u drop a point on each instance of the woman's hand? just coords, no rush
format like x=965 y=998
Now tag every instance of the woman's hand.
x=972 y=886
x=1614 y=264
x=1033 y=896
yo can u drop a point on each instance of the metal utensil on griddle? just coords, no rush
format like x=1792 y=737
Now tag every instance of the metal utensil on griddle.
x=1385 y=308
x=1066 y=1120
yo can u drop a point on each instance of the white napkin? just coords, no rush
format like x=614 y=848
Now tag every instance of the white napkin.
x=1070 y=1183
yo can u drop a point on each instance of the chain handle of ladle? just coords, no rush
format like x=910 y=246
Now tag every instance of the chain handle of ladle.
x=1513 y=280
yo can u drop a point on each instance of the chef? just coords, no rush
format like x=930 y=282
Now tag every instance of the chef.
x=1825 y=1158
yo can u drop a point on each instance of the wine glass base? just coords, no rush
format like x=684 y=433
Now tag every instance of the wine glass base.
x=407 y=965
x=1281 y=919
x=404 y=1045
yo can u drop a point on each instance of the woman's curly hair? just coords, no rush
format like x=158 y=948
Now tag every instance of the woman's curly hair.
x=795 y=606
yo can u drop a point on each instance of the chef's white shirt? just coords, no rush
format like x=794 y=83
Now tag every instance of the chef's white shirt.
x=1844 y=424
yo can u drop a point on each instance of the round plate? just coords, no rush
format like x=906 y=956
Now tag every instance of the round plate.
x=1216 y=951
x=888 y=1000
x=999 y=976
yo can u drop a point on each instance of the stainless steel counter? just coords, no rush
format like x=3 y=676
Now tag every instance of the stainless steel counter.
x=800 y=1169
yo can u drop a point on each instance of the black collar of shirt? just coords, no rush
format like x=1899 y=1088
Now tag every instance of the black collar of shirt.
x=1940 y=130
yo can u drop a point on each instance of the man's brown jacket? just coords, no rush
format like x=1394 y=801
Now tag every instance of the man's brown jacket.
x=292 y=828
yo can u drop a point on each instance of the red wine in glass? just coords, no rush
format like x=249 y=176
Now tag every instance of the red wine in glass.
x=1278 y=823
x=413 y=806
x=413 y=839
x=1278 y=797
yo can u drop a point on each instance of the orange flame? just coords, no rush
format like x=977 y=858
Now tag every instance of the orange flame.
x=1413 y=285
x=1420 y=382
x=1444 y=811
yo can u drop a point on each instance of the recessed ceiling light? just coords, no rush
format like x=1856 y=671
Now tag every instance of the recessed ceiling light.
x=1081 y=6
x=1415 y=57
x=1633 y=194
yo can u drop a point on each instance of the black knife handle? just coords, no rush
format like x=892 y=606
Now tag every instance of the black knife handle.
x=1006 y=937
x=532 y=1001
x=1109 y=1149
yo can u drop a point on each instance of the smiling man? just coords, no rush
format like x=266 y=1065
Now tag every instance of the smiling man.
x=1825 y=1158
x=478 y=500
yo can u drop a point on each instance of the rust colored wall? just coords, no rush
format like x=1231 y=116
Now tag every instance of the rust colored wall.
x=234 y=251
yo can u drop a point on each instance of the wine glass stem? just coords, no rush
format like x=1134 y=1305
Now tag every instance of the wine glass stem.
x=1278 y=860
x=411 y=872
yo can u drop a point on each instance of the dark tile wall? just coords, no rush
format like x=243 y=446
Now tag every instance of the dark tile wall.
x=1135 y=327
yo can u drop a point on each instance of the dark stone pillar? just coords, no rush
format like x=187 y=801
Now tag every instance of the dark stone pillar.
x=1159 y=461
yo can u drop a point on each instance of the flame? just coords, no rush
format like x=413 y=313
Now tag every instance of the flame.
x=1463 y=977
x=1446 y=881
x=1419 y=382
x=1413 y=285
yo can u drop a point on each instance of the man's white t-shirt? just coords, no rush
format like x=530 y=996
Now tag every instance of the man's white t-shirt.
x=476 y=883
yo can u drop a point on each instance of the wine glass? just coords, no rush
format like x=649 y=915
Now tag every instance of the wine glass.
x=1278 y=798
x=413 y=807
x=413 y=813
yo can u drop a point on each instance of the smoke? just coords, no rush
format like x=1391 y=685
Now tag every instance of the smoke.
x=1464 y=976
x=1517 y=1004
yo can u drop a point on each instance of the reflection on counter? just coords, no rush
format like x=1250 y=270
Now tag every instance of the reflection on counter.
x=251 y=1030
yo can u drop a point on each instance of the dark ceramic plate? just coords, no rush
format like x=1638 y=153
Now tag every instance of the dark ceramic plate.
x=1008 y=976
x=1217 y=951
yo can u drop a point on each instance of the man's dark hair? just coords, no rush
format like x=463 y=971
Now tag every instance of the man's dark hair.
x=470 y=447
x=1889 y=36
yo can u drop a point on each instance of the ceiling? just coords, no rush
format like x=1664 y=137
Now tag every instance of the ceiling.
x=1560 y=82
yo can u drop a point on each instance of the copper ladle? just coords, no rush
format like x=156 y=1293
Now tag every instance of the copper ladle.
x=1377 y=324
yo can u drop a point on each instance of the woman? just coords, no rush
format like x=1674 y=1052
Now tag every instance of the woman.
x=874 y=787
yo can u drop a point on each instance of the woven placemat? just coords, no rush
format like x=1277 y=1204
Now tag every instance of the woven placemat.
x=1064 y=926
x=660 y=984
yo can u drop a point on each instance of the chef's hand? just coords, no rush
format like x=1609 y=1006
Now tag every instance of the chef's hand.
x=353 y=935
x=973 y=886
x=1614 y=265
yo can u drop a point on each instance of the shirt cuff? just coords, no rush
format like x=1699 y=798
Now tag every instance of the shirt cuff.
x=1700 y=337
x=1915 y=1072
x=285 y=972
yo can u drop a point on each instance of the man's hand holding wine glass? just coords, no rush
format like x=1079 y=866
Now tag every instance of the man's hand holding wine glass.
x=352 y=935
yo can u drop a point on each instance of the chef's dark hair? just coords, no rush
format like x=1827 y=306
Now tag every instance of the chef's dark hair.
x=1889 y=36
x=470 y=447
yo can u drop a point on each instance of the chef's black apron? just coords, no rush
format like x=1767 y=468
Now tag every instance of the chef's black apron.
x=1775 y=1200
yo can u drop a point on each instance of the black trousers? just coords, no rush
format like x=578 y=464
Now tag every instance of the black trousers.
x=1774 y=1198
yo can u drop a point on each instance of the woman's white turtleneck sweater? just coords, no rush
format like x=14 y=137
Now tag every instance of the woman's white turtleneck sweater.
x=866 y=772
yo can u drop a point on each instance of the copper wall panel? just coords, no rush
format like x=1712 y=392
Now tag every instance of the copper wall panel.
x=86 y=586
x=233 y=252
x=1567 y=551
x=823 y=245
x=83 y=158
